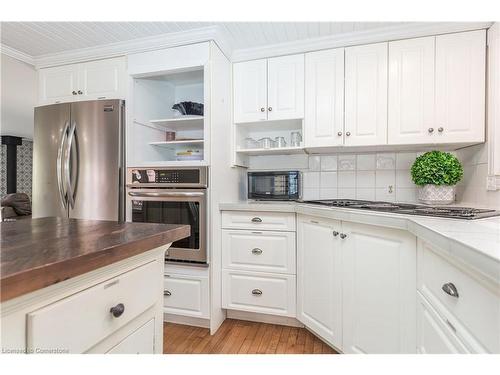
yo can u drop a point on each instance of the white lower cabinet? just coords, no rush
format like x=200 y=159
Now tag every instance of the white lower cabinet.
x=139 y=342
x=259 y=262
x=319 y=284
x=186 y=293
x=379 y=289
x=465 y=300
x=266 y=293
x=434 y=335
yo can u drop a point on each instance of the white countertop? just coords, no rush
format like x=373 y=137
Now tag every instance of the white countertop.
x=475 y=242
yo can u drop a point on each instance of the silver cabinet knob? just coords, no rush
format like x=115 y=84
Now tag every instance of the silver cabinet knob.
x=343 y=235
x=80 y=92
x=348 y=133
x=256 y=220
x=262 y=109
x=440 y=129
x=167 y=293
x=430 y=130
x=257 y=251
x=335 y=233
x=73 y=92
x=257 y=292
x=339 y=134
x=269 y=109
x=450 y=289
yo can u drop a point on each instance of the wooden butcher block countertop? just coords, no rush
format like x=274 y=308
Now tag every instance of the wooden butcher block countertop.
x=37 y=253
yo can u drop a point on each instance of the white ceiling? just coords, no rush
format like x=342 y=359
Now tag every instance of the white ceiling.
x=40 y=38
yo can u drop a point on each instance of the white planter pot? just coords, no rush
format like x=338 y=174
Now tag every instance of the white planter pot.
x=436 y=194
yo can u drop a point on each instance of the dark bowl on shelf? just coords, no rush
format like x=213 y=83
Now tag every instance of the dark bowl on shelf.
x=189 y=108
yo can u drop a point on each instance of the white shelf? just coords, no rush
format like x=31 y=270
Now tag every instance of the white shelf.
x=180 y=123
x=168 y=163
x=272 y=151
x=170 y=144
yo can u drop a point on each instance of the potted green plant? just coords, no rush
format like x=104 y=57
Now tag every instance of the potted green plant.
x=436 y=173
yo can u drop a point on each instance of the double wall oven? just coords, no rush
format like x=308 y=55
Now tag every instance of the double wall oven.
x=172 y=196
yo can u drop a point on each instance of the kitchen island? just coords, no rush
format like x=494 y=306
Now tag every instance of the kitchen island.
x=75 y=286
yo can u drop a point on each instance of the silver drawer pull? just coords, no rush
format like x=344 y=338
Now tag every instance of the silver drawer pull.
x=257 y=251
x=343 y=235
x=167 y=293
x=335 y=233
x=257 y=292
x=314 y=222
x=450 y=289
x=256 y=220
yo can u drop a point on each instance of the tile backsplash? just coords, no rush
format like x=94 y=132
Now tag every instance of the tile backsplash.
x=372 y=176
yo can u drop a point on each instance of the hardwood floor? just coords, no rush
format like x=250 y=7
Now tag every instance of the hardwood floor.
x=241 y=337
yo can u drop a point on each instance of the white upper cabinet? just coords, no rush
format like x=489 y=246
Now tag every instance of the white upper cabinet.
x=319 y=283
x=57 y=85
x=460 y=87
x=437 y=89
x=324 y=111
x=102 y=79
x=250 y=91
x=411 y=90
x=366 y=95
x=379 y=289
x=269 y=89
x=285 y=90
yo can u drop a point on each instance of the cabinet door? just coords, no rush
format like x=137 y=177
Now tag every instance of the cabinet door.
x=379 y=289
x=324 y=112
x=250 y=91
x=433 y=336
x=285 y=87
x=186 y=295
x=58 y=85
x=366 y=95
x=411 y=91
x=319 y=293
x=460 y=87
x=103 y=79
x=141 y=341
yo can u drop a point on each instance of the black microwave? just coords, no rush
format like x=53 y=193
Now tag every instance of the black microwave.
x=279 y=186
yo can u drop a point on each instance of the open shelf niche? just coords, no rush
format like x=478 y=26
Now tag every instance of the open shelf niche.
x=153 y=98
x=263 y=129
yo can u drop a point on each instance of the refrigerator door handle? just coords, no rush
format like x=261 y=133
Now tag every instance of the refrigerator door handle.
x=62 y=193
x=71 y=192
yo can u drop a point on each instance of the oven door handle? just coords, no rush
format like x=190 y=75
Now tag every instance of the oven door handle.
x=166 y=194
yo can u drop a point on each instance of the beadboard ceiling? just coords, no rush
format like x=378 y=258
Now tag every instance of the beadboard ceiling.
x=42 y=38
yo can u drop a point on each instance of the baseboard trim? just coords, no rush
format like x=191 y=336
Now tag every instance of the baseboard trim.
x=263 y=318
x=186 y=320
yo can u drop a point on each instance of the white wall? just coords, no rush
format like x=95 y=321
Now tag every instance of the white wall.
x=18 y=97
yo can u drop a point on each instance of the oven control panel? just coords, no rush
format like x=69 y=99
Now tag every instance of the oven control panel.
x=168 y=176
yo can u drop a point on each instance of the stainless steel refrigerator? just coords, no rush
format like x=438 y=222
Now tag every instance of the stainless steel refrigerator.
x=78 y=160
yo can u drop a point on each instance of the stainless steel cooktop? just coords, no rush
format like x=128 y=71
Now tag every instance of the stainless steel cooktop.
x=410 y=209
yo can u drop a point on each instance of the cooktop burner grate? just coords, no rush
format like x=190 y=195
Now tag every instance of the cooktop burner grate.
x=409 y=209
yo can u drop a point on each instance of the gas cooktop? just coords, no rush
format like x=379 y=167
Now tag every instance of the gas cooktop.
x=410 y=209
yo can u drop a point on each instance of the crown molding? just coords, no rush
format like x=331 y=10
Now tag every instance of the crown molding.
x=15 y=54
x=136 y=46
x=411 y=30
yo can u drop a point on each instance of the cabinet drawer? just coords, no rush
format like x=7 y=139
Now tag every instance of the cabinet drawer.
x=259 y=292
x=140 y=341
x=259 y=251
x=477 y=307
x=284 y=221
x=186 y=295
x=80 y=321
